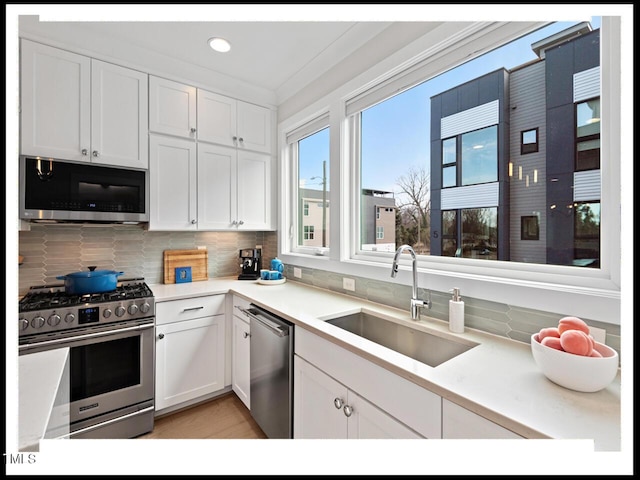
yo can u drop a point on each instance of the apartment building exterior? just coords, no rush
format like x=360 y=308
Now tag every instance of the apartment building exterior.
x=515 y=158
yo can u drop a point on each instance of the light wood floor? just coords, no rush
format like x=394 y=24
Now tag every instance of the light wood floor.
x=223 y=417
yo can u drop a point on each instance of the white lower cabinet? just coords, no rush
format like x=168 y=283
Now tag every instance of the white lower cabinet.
x=241 y=351
x=460 y=423
x=339 y=394
x=190 y=349
x=324 y=408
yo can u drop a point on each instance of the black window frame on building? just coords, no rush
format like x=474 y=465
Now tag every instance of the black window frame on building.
x=580 y=255
x=529 y=227
x=584 y=163
x=448 y=165
x=529 y=147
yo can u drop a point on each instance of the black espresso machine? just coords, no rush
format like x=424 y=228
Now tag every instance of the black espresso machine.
x=250 y=264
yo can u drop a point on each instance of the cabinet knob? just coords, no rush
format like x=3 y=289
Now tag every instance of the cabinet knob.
x=338 y=403
x=161 y=336
x=241 y=222
x=234 y=138
x=241 y=139
x=85 y=152
x=246 y=334
x=193 y=130
x=96 y=153
x=234 y=222
x=193 y=222
x=348 y=410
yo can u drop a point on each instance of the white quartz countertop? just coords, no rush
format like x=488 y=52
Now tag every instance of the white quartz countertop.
x=39 y=379
x=497 y=379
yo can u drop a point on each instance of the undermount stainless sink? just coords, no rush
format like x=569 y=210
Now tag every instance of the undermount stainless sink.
x=424 y=347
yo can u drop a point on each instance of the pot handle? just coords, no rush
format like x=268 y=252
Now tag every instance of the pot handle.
x=119 y=273
x=92 y=268
x=61 y=277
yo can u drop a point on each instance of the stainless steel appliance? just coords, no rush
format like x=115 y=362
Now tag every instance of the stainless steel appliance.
x=53 y=190
x=110 y=337
x=251 y=263
x=271 y=372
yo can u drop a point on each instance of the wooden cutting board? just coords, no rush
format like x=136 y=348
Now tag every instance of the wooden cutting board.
x=198 y=260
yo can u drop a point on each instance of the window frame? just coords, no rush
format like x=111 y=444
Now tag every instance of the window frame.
x=593 y=293
x=534 y=149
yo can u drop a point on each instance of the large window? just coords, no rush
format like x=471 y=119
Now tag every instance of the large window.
x=460 y=124
x=309 y=150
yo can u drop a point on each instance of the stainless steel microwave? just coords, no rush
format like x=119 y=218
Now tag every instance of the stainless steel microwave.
x=55 y=190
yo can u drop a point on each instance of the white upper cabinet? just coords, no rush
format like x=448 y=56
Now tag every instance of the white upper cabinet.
x=172 y=178
x=233 y=123
x=55 y=102
x=81 y=109
x=119 y=116
x=172 y=108
x=233 y=189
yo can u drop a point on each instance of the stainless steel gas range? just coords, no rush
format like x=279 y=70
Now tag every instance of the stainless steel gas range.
x=110 y=369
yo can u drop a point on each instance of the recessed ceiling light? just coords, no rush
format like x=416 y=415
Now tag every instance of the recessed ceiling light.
x=219 y=44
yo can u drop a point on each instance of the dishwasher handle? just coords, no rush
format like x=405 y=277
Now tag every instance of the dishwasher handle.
x=263 y=319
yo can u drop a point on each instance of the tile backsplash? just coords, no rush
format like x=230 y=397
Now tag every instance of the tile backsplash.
x=52 y=250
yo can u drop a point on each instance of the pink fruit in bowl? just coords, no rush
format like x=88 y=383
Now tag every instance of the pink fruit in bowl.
x=583 y=373
x=553 y=342
x=548 y=332
x=576 y=342
x=572 y=323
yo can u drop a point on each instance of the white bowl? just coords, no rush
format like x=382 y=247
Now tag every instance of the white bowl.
x=576 y=372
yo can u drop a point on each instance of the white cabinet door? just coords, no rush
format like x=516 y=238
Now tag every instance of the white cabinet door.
x=254 y=127
x=172 y=178
x=460 y=423
x=240 y=366
x=55 y=102
x=324 y=408
x=172 y=108
x=216 y=119
x=217 y=187
x=317 y=403
x=189 y=360
x=119 y=118
x=234 y=189
x=368 y=421
x=254 y=191
x=233 y=123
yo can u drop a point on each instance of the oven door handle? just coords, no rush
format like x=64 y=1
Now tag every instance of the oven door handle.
x=108 y=422
x=85 y=336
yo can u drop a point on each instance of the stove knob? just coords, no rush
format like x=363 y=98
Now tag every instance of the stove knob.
x=23 y=324
x=37 y=322
x=54 y=320
x=133 y=309
x=69 y=317
x=145 y=307
x=107 y=313
x=120 y=311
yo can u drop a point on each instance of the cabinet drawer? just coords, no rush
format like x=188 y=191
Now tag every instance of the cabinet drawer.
x=238 y=303
x=189 y=308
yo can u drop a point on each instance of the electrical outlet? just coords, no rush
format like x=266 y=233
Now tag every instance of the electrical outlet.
x=297 y=272
x=598 y=334
x=349 y=284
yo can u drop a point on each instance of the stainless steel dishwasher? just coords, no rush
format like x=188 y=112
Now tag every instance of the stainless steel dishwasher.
x=271 y=372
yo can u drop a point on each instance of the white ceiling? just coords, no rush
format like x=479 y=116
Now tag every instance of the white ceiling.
x=281 y=57
x=267 y=54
